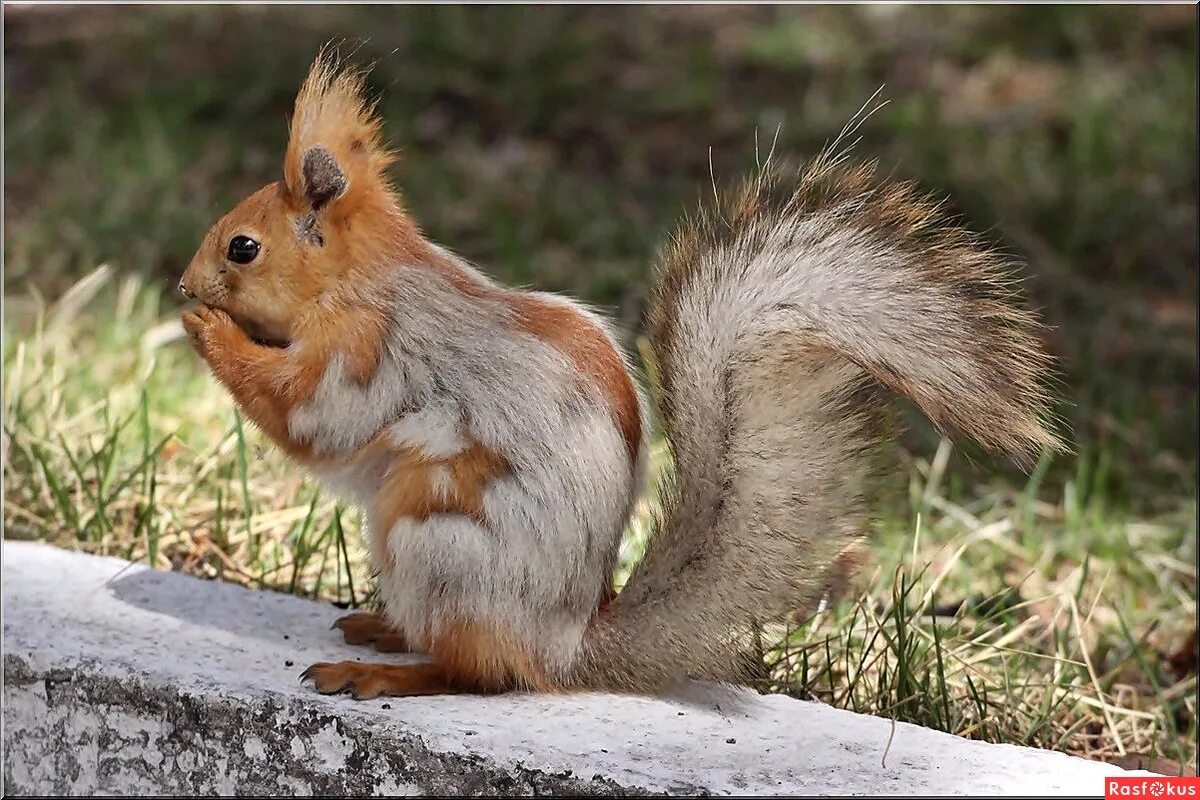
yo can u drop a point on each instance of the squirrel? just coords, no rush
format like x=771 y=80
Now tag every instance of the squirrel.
x=496 y=440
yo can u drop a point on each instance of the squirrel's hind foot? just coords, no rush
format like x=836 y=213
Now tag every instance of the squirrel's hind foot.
x=367 y=681
x=362 y=628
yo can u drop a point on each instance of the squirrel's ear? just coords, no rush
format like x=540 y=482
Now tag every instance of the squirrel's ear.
x=323 y=179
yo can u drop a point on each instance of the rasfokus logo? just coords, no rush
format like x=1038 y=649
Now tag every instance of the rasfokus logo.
x=1152 y=787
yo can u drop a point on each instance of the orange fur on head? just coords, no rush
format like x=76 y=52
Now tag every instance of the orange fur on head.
x=323 y=232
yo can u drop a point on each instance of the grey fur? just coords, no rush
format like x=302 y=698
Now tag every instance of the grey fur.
x=773 y=314
x=456 y=367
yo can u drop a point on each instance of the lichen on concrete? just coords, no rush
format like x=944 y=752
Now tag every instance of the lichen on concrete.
x=81 y=733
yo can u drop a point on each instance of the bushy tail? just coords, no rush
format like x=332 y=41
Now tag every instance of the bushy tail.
x=775 y=318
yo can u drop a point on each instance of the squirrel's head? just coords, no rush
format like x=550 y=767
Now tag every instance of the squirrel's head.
x=299 y=242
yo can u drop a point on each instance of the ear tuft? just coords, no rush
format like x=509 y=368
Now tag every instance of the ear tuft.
x=323 y=179
x=335 y=151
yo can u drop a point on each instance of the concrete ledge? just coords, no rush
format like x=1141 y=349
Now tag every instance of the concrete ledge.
x=122 y=680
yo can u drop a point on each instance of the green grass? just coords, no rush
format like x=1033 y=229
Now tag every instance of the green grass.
x=557 y=146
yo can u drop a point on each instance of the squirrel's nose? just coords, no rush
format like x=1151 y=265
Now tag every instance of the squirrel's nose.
x=185 y=291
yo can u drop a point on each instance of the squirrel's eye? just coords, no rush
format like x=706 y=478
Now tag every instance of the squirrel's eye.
x=242 y=250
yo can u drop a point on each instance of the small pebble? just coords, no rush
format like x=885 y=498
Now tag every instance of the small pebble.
x=469 y=733
x=731 y=740
x=289 y=663
x=286 y=636
x=387 y=706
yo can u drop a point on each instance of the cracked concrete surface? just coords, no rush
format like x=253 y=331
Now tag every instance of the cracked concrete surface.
x=122 y=680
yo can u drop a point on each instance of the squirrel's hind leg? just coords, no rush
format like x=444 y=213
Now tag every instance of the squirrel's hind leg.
x=363 y=627
x=467 y=657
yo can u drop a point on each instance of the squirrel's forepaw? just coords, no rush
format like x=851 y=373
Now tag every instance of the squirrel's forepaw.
x=203 y=325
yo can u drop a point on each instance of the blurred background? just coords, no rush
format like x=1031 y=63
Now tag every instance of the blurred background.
x=557 y=147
